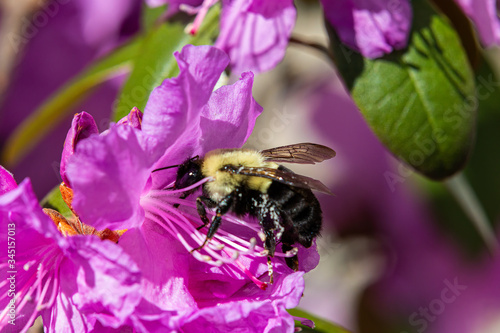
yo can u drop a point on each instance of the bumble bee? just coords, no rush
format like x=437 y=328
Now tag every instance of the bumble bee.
x=252 y=182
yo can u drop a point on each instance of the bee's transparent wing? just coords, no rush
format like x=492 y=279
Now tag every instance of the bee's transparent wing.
x=302 y=153
x=283 y=176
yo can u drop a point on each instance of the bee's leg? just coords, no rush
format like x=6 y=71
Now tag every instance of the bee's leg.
x=201 y=210
x=270 y=242
x=270 y=222
x=292 y=262
x=222 y=208
x=270 y=246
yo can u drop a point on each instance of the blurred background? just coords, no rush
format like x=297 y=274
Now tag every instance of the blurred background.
x=397 y=252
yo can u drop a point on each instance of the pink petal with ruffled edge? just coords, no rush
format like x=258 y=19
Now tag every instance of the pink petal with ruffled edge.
x=201 y=119
x=97 y=276
x=255 y=33
x=164 y=265
x=176 y=104
x=108 y=174
x=228 y=119
x=372 y=27
x=105 y=280
x=264 y=313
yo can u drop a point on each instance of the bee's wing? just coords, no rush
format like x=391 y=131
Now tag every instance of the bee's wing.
x=302 y=153
x=283 y=176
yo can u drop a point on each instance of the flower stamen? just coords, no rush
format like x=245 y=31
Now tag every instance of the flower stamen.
x=200 y=11
x=178 y=217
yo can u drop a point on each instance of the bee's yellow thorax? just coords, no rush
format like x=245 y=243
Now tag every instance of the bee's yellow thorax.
x=224 y=182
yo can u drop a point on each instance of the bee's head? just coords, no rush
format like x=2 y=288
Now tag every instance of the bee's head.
x=188 y=173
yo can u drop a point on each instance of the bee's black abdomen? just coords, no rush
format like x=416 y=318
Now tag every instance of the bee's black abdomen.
x=301 y=209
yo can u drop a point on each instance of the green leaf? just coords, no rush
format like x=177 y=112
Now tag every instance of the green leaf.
x=55 y=201
x=481 y=171
x=151 y=16
x=62 y=102
x=320 y=325
x=421 y=101
x=156 y=61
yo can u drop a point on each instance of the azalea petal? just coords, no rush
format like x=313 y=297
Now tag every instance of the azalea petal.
x=35 y=239
x=251 y=317
x=484 y=14
x=82 y=126
x=108 y=174
x=308 y=257
x=146 y=318
x=164 y=265
x=64 y=316
x=20 y=206
x=371 y=27
x=7 y=181
x=226 y=121
x=98 y=26
x=252 y=309
x=255 y=33
x=103 y=281
x=229 y=117
x=134 y=119
x=177 y=102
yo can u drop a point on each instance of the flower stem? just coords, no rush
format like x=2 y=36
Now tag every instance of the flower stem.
x=316 y=46
x=460 y=188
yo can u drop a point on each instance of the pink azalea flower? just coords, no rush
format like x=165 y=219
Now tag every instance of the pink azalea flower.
x=8 y=183
x=253 y=33
x=58 y=277
x=484 y=14
x=224 y=285
x=373 y=27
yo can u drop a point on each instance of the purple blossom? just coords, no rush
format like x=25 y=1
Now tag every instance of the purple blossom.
x=221 y=285
x=253 y=33
x=484 y=14
x=82 y=126
x=60 y=278
x=8 y=183
x=374 y=27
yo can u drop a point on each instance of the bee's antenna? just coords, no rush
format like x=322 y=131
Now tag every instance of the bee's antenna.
x=175 y=166
x=164 y=168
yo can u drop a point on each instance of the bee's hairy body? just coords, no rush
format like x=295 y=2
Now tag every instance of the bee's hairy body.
x=250 y=182
x=224 y=183
x=298 y=209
